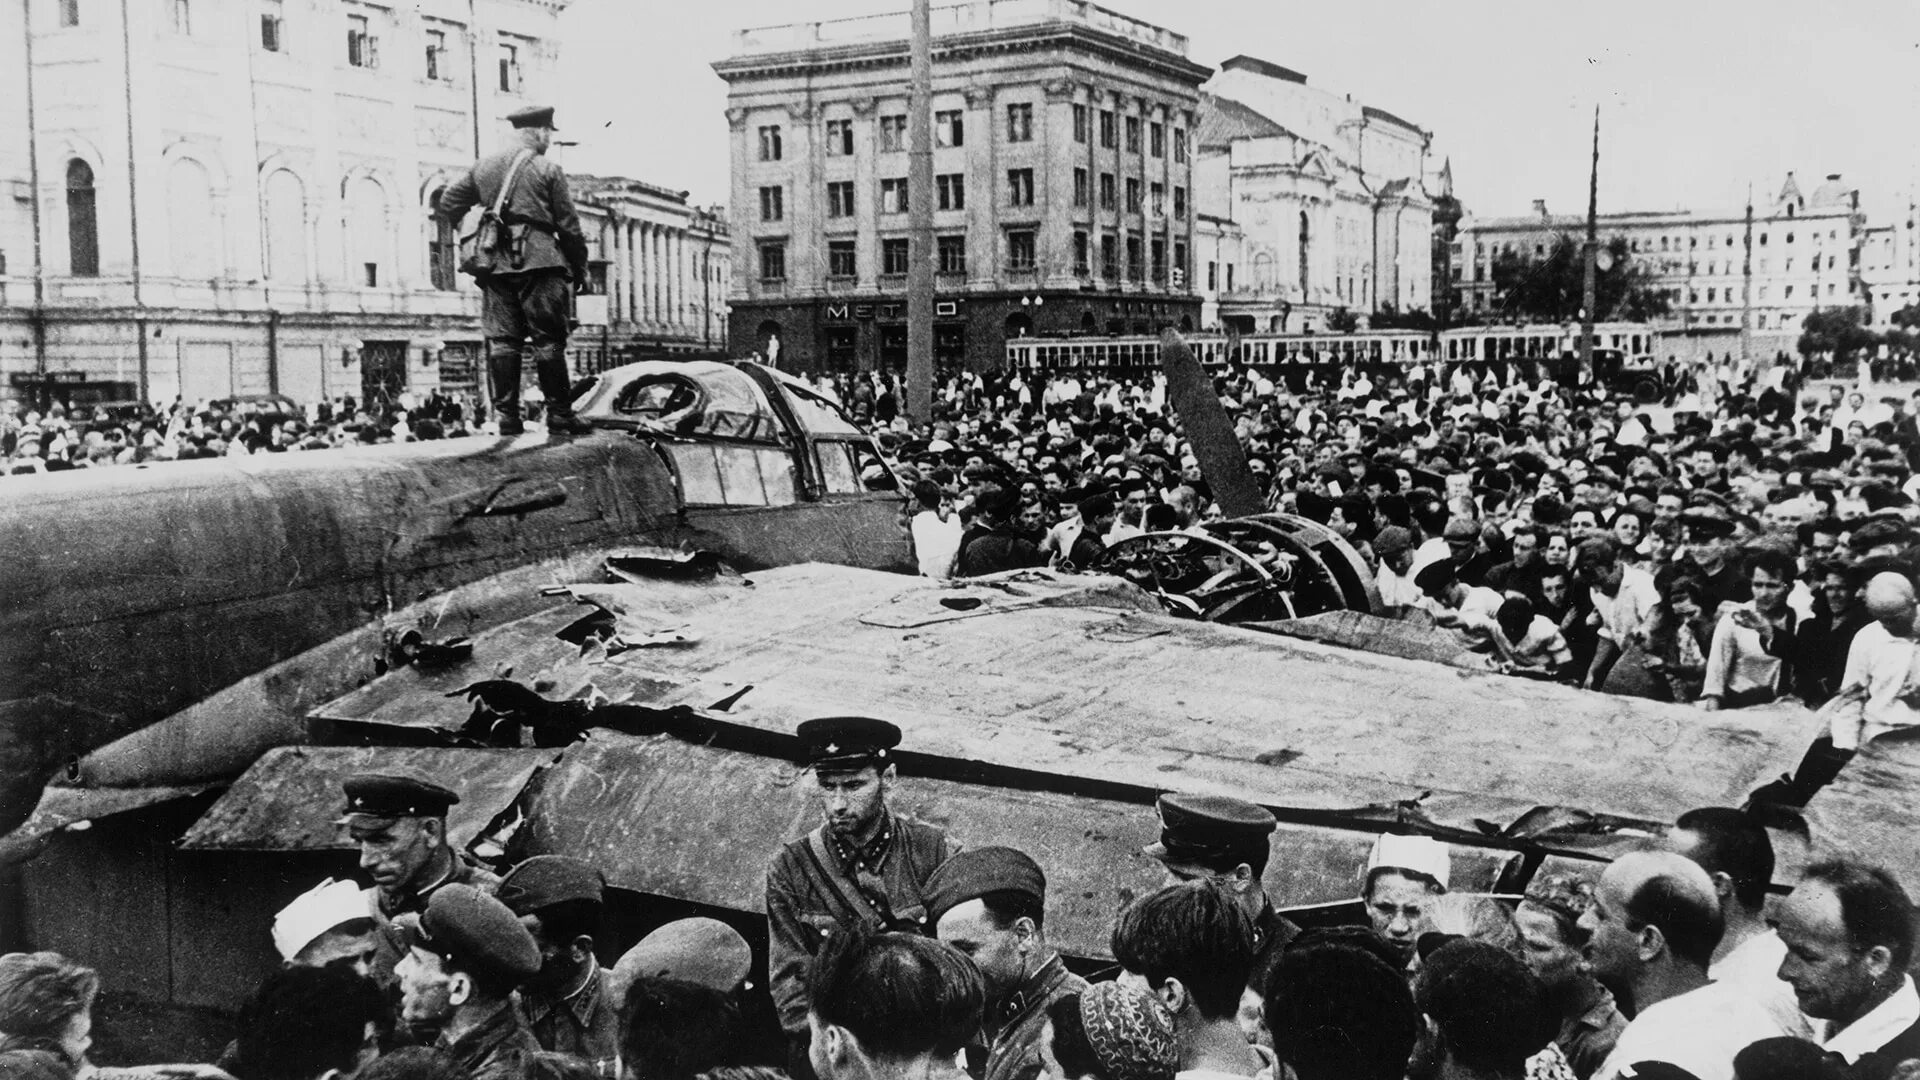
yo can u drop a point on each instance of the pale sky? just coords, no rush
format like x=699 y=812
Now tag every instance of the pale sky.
x=1698 y=98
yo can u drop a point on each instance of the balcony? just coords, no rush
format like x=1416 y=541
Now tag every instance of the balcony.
x=965 y=18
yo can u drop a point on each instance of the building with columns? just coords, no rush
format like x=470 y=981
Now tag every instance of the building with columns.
x=1328 y=195
x=663 y=265
x=1063 y=181
x=205 y=198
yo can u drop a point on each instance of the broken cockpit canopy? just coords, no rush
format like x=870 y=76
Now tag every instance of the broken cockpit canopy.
x=697 y=399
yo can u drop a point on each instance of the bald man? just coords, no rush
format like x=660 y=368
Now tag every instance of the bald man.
x=1653 y=926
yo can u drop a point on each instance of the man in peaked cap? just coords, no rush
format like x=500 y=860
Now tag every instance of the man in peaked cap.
x=398 y=820
x=990 y=903
x=569 y=1005
x=1225 y=841
x=865 y=867
x=525 y=300
x=465 y=955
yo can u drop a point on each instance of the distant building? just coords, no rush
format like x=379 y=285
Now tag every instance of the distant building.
x=663 y=265
x=1328 y=194
x=1890 y=266
x=1063 y=182
x=1806 y=256
x=240 y=202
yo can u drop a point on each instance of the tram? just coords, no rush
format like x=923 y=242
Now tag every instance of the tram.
x=1531 y=352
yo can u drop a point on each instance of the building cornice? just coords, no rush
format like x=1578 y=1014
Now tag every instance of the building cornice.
x=960 y=49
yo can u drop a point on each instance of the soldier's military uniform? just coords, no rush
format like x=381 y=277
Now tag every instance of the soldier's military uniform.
x=582 y=1018
x=823 y=882
x=1216 y=833
x=471 y=931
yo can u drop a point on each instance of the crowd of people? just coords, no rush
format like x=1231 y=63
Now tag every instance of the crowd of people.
x=893 y=954
x=91 y=436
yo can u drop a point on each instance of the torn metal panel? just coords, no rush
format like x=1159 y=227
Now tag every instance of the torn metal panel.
x=696 y=823
x=1868 y=811
x=1374 y=634
x=290 y=800
x=70 y=808
x=1083 y=696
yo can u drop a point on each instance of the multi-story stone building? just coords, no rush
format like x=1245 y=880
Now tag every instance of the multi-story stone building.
x=1806 y=256
x=664 y=266
x=1890 y=266
x=217 y=197
x=1063 y=181
x=1328 y=194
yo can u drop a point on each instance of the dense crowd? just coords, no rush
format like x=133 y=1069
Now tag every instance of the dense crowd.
x=88 y=436
x=892 y=954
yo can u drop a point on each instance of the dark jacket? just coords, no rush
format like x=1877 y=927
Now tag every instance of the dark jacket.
x=987 y=549
x=586 y=1025
x=540 y=202
x=1014 y=1026
x=496 y=1050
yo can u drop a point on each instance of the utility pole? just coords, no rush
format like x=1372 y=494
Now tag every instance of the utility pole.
x=1746 y=289
x=920 y=219
x=1589 y=253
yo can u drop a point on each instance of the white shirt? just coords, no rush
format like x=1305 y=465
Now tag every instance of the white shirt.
x=1699 y=1031
x=1753 y=968
x=1874 y=1030
x=936 y=543
x=1625 y=612
x=1882 y=663
x=1736 y=661
x=1397 y=591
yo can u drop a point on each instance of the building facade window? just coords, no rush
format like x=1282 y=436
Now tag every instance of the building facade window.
x=1158 y=251
x=1179 y=202
x=1082 y=254
x=1020 y=187
x=893 y=132
x=1082 y=187
x=1109 y=257
x=949 y=129
x=842 y=259
x=893 y=195
x=363 y=50
x=438 y=69
x=772 y=204
x=441 y=248
x=272 y=27
x=951 y=189
x=1157 y=139
x=180 y=16
x=1020 y=250
x=1106 y=191
x=1135 y=264
x=773 y=260
x=952 y=251
x=1180 y=144
x=1133 y=134
x=1213 y=276
x=511 y=80
x=1079 y=120
x=894 y=256
x=839 y=138
x=1108 y=140
x=1157 y=198
x=69 y=13
x=1133 y=195
x=770 y=148
x=1020 y=122
x=83 y=229
x=839 y=198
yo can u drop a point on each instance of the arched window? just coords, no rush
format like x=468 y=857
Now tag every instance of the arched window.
x=440 y=249
x=286 y=218
x=367 y=234
x=83 y=227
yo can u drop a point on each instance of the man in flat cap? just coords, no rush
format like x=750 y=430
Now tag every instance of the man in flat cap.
x=466 y=954
x=866 y=867
x=569 y=1005
x=1226 y=841
x=399 y=822
x=526 y=297
x=990 y=904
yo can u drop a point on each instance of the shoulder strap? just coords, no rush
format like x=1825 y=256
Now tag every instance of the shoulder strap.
x=513 y=174
x=827 y=867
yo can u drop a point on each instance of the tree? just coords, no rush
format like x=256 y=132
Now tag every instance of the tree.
x=1837 y=332
x=1389 y=317
x=1342 y=321
x=1552 y=289
x=1907 y=318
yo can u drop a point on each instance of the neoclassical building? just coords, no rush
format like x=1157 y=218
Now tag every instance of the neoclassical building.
x=1064 y=174
x=216 y=197
x=1326 y=195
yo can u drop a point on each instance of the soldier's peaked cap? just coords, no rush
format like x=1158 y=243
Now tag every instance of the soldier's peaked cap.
x=476 y=932
x=395 y=793
x=533 y=116
x=1208 y=828
x=847 y=742
x=545 y=880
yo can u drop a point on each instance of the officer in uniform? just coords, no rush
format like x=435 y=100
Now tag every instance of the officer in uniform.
x=465 y=955
x=570 y=1005
x=865 y=867
x=527 y=296
x=398 y=820
x=1226 y=841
